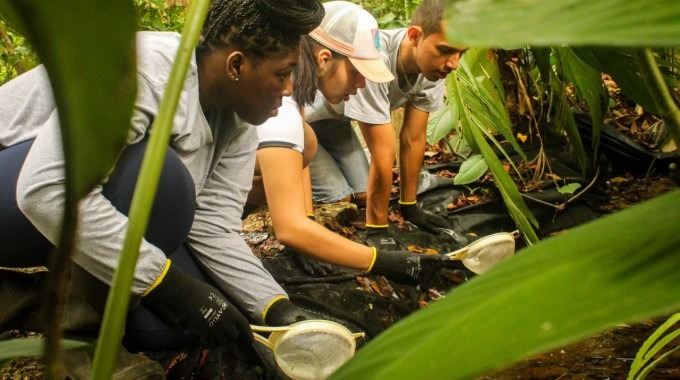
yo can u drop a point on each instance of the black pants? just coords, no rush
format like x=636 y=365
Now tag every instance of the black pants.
x=21 y=245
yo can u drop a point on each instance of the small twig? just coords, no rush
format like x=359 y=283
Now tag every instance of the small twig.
x=561 y=206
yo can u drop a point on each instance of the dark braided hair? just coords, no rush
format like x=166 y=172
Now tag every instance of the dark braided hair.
x=261 y=28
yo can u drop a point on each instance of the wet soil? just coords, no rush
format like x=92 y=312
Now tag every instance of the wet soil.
x=604 y=356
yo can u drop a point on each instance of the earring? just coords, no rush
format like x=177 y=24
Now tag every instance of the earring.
x=322 y=72
x=233 y=77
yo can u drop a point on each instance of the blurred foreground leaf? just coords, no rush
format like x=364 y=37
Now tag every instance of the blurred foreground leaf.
x=620 y=268
x=512 y=24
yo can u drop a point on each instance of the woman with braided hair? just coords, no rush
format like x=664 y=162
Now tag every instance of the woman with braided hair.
x=196 y=279
x=337 y=58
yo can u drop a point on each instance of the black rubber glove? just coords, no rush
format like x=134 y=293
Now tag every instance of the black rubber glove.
x=381 y=239
x=284 y=313
x=408 y=267
x=422 y=218
x=311 y=266
x=199 y=309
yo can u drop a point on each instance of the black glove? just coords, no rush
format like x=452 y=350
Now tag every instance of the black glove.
x=199 y=309
x=408 y=267
x=422 y=218
x=284 y=313
x=381 y=239
x=311 y=266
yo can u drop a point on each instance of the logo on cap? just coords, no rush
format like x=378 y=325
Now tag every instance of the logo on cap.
x=376 y=38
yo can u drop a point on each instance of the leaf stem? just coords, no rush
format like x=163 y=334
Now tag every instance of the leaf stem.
x=660 y=94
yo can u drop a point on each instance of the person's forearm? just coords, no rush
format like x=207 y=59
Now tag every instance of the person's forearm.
x=412 y=144
x=411 y=152
x=307 y=187
x=309 y=238
x=380 y=140
x=378 y=192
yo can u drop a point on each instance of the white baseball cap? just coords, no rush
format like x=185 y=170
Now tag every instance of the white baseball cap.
x=351 y=31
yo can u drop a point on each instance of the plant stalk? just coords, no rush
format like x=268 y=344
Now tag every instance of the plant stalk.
x=111 y=332
x=661 y=95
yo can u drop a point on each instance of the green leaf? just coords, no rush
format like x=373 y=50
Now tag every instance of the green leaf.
x=619 y=268
x=440 y=124
x=564 y=118
x=87 y=48
x=22 y=347
x=588 y=85
x=471 y=170
x=479 y=112
x=652 y=345
x=620 y=64
x=510 y=24
x=569 y=188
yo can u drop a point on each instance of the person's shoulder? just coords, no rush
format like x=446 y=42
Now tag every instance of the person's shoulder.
x=153 y=40
x=392 y=36
x=156 y=53
x=289 y=116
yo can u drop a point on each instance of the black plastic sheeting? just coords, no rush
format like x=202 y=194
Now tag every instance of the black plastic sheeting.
x=373 y=303
x=341 y=296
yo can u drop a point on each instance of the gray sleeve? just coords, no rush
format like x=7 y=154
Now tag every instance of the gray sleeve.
x=434 y=97
x=215 y=237
x=101 y=229
x=371 y=104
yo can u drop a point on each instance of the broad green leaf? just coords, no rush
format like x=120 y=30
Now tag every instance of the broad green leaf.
x=459 y=146
x=588 y=85
x=542 y=55
x=440 y=124
x=471 y=170
x=662 y=96
x=474 y=123
x=88 y=50
x=620 y=64
x=619 y=268
x=508 y=24
x=22 y=347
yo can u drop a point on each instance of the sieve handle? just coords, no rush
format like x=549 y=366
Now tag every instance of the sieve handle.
x=269 y=328
x=259 y=338
x=458 y=254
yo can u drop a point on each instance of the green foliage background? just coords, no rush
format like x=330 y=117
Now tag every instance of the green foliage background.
x=622 y=268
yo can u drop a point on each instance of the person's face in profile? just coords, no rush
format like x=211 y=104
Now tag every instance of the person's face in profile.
x=265 y=82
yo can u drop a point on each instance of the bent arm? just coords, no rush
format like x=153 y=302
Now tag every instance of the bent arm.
x=101 y=228
x=380 y=139
x=283 y=176
x=412 y=144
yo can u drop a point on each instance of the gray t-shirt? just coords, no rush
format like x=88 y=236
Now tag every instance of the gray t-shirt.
x=217 y=148
x=373 y=103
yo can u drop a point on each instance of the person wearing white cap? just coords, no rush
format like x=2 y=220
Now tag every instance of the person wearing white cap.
x=336 y=59
x=419 y=57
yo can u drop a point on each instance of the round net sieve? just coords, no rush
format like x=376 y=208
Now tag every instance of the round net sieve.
x=313 y=354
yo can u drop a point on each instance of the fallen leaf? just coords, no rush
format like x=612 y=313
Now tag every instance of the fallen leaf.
x=521 y=137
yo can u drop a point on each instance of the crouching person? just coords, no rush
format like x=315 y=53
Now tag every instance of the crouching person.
x=196 y=280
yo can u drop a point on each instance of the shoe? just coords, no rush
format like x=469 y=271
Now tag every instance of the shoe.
x=128 y=367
